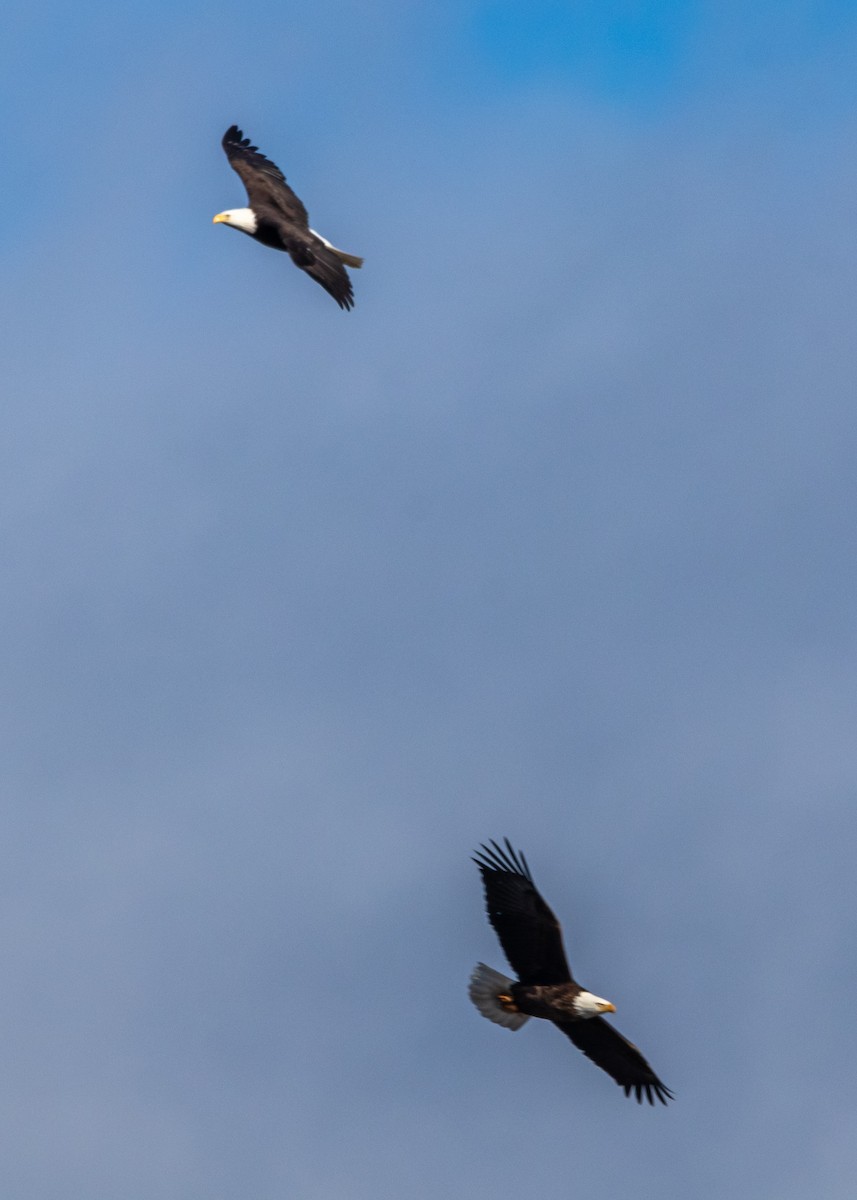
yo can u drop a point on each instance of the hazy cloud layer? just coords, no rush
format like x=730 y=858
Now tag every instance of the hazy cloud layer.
x=553 y=537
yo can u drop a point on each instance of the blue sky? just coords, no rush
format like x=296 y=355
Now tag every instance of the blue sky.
x=552 y=537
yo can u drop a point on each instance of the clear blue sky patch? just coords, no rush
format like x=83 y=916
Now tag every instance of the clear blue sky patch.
x=625 y=50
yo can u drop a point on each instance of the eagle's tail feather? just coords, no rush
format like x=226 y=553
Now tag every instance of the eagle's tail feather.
x=486 y=985
x=350 y=260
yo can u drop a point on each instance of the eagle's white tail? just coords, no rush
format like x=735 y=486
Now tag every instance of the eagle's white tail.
x=350 y=260
x=486 y=985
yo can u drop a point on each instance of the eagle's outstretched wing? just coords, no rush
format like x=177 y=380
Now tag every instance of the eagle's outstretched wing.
x=528 y=931
x=312 y=256
x=617 y=1056
x=265 y=182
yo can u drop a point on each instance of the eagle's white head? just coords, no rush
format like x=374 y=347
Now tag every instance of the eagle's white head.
x=587 y=1005
x=239 y=218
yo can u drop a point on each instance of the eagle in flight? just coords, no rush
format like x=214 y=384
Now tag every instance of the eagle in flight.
x=276 y=217
x=531 y=939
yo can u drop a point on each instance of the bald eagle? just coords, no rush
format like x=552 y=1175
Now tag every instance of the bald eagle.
x=277 y=218
x=531 y=939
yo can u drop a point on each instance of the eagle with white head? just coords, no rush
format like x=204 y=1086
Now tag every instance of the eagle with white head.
x=277 y=218
x=531 y=938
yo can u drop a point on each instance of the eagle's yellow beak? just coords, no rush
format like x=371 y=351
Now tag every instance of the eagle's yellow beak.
x=607 y=1007
x=220 y=217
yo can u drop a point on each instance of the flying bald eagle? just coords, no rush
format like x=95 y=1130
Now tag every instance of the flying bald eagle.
x=277 y=218
x=531 y=939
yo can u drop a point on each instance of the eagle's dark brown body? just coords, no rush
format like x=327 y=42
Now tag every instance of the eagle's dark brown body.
x=551 y=1001
x=269 y=233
